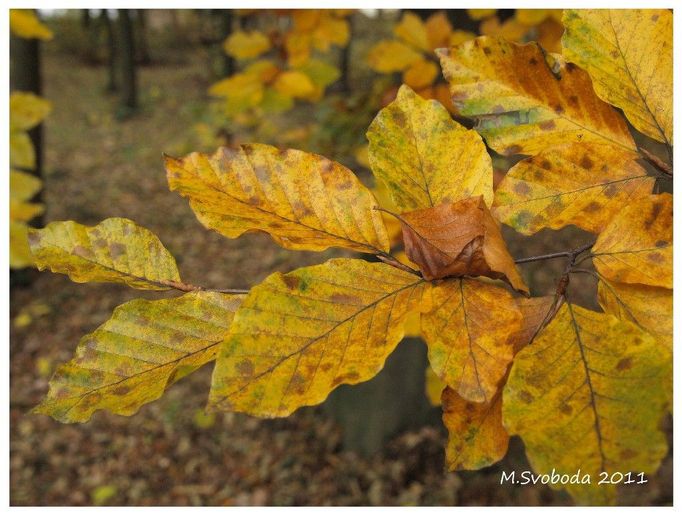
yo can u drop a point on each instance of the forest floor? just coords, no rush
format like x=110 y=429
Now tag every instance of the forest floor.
x=171 y=452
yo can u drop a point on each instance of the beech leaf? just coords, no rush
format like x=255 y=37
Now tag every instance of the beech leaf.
x=629 y=55
x=637 y=246
x=522 y=103
x=584 y=184
x=297 y=336
x=589 y=394
x=459 y=239
x=424 y=157
x=133 y=357
x=304 y=201
x=469 y=332
x=116 y=250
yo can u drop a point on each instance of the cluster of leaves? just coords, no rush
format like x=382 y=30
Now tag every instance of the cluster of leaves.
x=541 y=25
x=279 y=67
x=26 y=112
x=583 y=389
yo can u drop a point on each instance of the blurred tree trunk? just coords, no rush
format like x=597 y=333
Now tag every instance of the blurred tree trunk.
x=142 y=47
x=90 y=30
x=111 y=51
x=394 y=401
x=126 y=38
x=343 y=85
x=226 y=21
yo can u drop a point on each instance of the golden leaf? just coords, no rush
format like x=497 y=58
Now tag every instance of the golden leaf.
x=23 y=186
x=246 y=45
x=19 y=251
x=511 y=29
x=589 y=394
x=412 y=30
x=459 y=239
x=25 y=24
x=294 y=84
x=27 y=110
x=133 y=357
x=434 y=386
x=521 y=105
x=476 y=437
x=304 y=201
x=637 y=246
x=24 y=211
x=424 y=157
x=629 y=55
x=420 y=74
x=297 y=336
x=330 y=31
x=389 y=56
x=469 y=332
x=585 y=184
x=116 y=250
x=480 y=14
x=21 y=151
x=536 y=313
x=438 y=30
x=531 y=17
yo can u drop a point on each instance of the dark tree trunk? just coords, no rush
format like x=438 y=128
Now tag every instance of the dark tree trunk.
x=126 y=38
x=111 y=57
x=226 y=21
x=142 y=47
x=90 y=30
x=343 y=85
x=394 y=401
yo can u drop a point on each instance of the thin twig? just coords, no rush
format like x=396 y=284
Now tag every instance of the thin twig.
x=392 y=260
x=561 y=254
x=656 y=161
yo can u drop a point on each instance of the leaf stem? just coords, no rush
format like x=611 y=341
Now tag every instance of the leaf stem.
x=573 y=253
x=656 y=161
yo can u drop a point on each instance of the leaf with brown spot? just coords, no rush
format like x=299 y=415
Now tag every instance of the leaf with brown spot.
x=308 y=331
x=637 y=246
x=629 y=55
x=303 y=200
x=488 y=72
x=424 y=157
x=476 y=437
x=116 y=250
x=459 y=239
x=584 y=184
x=469 y=332
x=536 y=313
x=137 y=354
x=590 y=392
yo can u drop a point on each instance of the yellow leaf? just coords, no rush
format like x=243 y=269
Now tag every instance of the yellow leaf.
x=297 y=46
x=589 y=394
x=389 y=56
x=521 y=105
x=116 y=250
x=297 y=336
x=650 y=308
x=305 y=19
x=19 y=251
x=531 y=17
x=476 y=437
x=479 y=14
x=420 y=74
x=637 y=246
x=438 y=30
x=629 y=55
x=132 y=358
x=510 y=29
x=23 y=186
x=27 y=110
x=294 y=84
x=330 y=31
x=537 y=312
x=24 y=211
x=468 y=333
x=460 y=36
x=25 y=24
x=321 y=74
x=304 y=201
x=242 y=91
x=434 y=386
x=424 y=157
x=275 y=102
x=582 y=184
x=246 y=45
x=549 y=34
x=21 y=151
x=412 y=31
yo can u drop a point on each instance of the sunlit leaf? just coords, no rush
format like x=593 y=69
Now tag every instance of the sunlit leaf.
x=411 y=29
x=420 y=74
x=19 y=251
x=246 y=45
x=391 y=56
x=25 y=24
x=26 y=110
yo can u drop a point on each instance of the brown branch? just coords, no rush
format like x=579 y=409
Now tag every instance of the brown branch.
x=573 y=254
x=656 y=161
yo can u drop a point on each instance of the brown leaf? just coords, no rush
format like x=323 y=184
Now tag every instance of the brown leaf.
x=459 y=239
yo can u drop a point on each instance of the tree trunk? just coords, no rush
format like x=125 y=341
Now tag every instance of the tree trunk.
x=111 y=51
x=394 y=401
x=226 y=20
x=90 y=30
x=126 y=60
x=343 y=85
x=142 y=47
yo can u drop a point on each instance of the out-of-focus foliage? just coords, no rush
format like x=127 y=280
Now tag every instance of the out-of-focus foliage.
x=25 y=24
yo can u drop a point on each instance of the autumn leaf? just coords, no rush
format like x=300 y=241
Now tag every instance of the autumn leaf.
x=589 y=393
x=133 y=357
x=650 y=308
x=524 y=104
x=19 y=251
x=25 y=24
x=304 y=201
x=297 y=336
x=584 y=184
x=424 y=157
x=420 y=74
x=246 y=45
x=434 y=386
x=636 y=247
x=438 y=30
x=412 y=30
x=536 y=313
x=23 y=186
x=629 y=55
x=294 y=84
x=27 y=110
x=476 y=437
x=469 y=332
x=389 y=56
x=480 y=14
x=459 y=239
x=321 y=74
x=116 y=250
